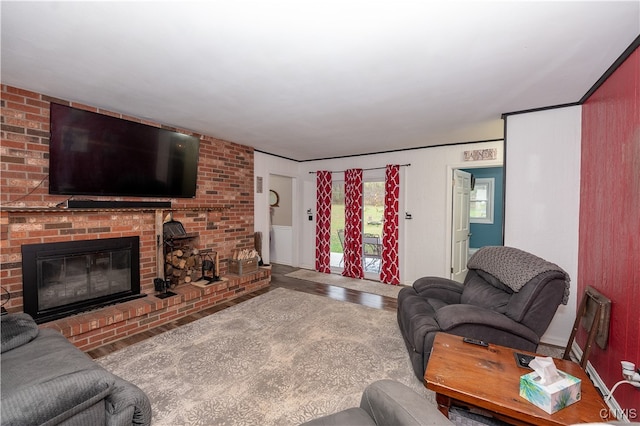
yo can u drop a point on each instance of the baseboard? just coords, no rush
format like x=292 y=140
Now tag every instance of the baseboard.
x=559 y=341
x=615 y=408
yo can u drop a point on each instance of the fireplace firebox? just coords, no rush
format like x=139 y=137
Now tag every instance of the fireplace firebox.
x=65 y=278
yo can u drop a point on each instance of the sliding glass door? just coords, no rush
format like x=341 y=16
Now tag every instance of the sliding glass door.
x=373 y=213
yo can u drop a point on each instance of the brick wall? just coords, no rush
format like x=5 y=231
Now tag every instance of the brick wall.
x=225 y=179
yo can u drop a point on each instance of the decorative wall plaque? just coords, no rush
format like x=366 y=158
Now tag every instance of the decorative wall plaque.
x=481 y=154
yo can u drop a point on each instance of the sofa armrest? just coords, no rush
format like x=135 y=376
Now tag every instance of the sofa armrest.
x=485 y=324
x=444 y=289
x=73 y=392
x=391 y=403
x=17 y=330
x=127 y=404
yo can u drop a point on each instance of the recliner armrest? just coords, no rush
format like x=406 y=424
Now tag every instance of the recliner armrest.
x=127 y=404
x=487 y=323
x=444 y=289
x=54 y=401
x=391 y=403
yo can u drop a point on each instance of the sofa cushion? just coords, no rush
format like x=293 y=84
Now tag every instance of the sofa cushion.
x=479 y=292
x=493 y=281
x=17 y=329
x=534 y=305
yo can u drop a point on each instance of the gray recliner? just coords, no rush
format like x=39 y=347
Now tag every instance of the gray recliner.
x=508 y=298
x=386 y=403
x=46 y=380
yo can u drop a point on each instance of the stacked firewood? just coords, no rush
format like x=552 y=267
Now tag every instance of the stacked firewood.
x=183 y=265
x=244 y=254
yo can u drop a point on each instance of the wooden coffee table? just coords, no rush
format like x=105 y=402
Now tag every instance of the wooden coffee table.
x=487 y=381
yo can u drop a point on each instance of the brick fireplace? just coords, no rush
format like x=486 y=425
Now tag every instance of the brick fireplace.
x=221 y=214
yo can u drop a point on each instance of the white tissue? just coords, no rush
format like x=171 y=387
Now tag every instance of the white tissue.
x=546 y=369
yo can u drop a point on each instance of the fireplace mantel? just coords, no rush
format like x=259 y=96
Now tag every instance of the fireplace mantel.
x=64 y=210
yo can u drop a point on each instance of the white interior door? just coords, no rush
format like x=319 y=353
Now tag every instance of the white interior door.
x=460 y=225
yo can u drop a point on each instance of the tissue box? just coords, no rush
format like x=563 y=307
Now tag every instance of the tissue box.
x=552 y=397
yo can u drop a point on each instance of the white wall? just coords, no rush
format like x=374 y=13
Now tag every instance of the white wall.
x=542 y=199
x=264 y=166
x=425 y=244
x=543 y=196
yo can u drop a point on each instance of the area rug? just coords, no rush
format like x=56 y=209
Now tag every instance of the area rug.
x=281 y=358
x=346 y=282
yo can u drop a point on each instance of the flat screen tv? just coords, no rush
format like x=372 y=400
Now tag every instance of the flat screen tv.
x=95 y=154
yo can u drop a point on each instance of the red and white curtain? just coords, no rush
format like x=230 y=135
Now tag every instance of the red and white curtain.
x=353 y=224
x=323 y=221
x=390 y=271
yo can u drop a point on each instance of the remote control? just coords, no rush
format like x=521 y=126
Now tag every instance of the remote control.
x=475 y=342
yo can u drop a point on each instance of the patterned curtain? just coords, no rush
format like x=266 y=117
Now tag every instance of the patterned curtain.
x=390 y=271
x=353 y=224
x=323 y=221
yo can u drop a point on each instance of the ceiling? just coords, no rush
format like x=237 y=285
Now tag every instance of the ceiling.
x=318 y=79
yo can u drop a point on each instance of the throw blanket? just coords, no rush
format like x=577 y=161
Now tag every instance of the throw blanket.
x=514 y=267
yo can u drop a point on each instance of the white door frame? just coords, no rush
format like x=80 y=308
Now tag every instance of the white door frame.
x=446 y=270
x=295 y=225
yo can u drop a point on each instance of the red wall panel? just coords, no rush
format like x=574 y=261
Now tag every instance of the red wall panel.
x=609 y=247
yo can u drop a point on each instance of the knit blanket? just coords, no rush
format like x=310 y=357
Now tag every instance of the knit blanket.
x=514 y=267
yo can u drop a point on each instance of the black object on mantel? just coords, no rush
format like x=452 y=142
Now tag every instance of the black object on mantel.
x=95 y=204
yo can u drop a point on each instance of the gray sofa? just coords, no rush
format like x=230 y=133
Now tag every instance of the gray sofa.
x=46 y=380
x=386 y=403
x=508 y=298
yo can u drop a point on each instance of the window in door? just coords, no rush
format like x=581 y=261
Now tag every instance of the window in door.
x=481 y=202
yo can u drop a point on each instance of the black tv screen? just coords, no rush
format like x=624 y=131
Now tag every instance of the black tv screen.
x=95 y=154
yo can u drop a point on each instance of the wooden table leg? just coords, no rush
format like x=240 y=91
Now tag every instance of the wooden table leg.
x=444 y=403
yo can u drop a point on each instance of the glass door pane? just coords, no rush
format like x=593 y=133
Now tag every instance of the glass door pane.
x=373 y=211
x=373 y=214
x=337 y=225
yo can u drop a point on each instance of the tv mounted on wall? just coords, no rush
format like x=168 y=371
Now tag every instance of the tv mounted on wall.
x=95 y=154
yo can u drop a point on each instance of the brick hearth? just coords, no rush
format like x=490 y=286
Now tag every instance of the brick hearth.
x=101 y=326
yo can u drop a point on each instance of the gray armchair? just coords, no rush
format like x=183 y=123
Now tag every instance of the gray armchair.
x=386 y=403
x=46 y=380
x=508 y=298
